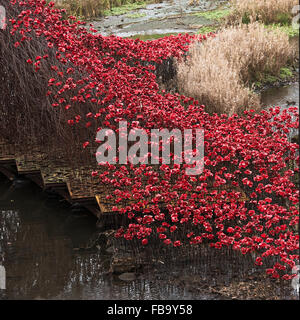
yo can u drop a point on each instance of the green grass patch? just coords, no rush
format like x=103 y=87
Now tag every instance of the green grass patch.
x=207 y=29
x=146 y=37
x=283 y=18
x=270 y=78
x=265 y=78
x=258 y=84
x=135 y=15
x=116 y=11
x=216 y=15
x=288 y=29
x=285 y=72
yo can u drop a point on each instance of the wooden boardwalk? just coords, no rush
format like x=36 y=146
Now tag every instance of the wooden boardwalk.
x=74 y=185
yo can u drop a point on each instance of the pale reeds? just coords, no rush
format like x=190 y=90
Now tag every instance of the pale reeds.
x=83 y=8
x=266 y=11
x=219 y=71
x=88 y=8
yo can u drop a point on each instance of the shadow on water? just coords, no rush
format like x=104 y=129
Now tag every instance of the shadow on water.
x=38 y=237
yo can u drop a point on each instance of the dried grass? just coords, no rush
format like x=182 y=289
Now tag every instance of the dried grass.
x=266 y=11
x=84 y=8
x=219 y=71
x=90 y=8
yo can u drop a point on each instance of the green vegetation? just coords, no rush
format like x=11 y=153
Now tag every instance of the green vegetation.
x=146 y=37
x=258 y=84
x=135 y=15
x=282 y=24
x=264 y=11
x=116 y=11
x=207 y=29
x=288 y=29
x=270 y=78
x=285 y=73
x=216 y=15
x=246 y=18
x=283 y=18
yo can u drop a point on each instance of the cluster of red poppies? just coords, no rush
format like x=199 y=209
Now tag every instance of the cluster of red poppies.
x=245 y=198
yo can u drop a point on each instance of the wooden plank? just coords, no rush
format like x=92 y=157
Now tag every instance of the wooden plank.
x=7 y=161
x=102 y=207
x=24 y=167
x=54 y=177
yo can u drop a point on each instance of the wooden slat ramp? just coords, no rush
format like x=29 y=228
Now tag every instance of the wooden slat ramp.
x=69 y=183
x=74 y=185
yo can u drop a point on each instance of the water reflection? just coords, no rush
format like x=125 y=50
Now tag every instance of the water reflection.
x=283 y=96
x=37 y=242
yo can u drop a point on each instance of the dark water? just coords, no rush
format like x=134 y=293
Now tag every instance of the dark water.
x=285 y=96
x=37 y=240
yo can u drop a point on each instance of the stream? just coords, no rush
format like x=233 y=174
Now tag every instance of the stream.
x=37 y=248
x=284 y=96
x=39 y=235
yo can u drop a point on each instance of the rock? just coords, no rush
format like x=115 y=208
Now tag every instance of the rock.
x=295 y=139
x=291 y=102
x=127 y=276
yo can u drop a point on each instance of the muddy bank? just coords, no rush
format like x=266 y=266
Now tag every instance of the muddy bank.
x=174 y=16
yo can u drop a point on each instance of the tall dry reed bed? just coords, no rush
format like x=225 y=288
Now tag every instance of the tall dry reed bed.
x=92 y=8
x=266 y=11
x=219 y=72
